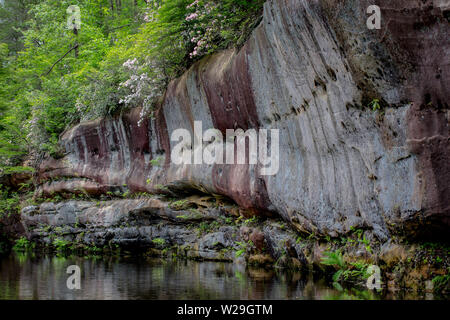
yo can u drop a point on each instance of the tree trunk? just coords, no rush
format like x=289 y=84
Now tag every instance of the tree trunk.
x=75 y=32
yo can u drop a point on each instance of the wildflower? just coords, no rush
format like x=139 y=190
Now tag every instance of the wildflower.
x=192 y=4
x=192 y=17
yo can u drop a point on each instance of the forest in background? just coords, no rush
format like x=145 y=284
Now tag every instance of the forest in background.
x=55 y=73
x=123 y=55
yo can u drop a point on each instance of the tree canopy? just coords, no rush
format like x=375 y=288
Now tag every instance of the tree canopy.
x=123 y=55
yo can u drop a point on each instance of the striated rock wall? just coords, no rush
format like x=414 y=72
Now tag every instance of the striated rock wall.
x=310 y=69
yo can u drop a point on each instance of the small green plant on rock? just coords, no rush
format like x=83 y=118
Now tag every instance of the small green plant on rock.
x=243 y=247
x=179 y=205
x=207 y=227
x=156 y=162
x=160 y=187
x=334 y=259
x=375 y=105
x=251 y=221
x=94 y=250
x=61 y=245
x=345 y=272
x=228 y=220
x=159 y=241
x=442 y=283
x=23 y=244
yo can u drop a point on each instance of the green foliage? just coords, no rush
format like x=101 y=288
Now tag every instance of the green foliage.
x=9 y=202
x=23 y=244
x=351 y=294
x=160 y=187
x=17 y=169
x=366 y=243
x=178 y=205
x=159 y=241
x=358 y=238
x=250 y=221
x=61 y=245
x=228 y=220
x=240 y=252
x=204 y=227
x=375 y=105
x=127 y=53
x=156 y=162
x=345 y=272
x=442 y=283
x=243 y=247
x=334 y=259
x=356 y=271
x=13 y=17
x=94 y=250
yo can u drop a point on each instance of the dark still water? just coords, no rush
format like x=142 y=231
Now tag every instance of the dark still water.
x=27 y=276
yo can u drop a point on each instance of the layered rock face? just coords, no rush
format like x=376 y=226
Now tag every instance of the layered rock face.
x=151 y=225
x=134 y=224
x=310 y=69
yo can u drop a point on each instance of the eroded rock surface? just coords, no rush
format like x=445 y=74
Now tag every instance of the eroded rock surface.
x=158 y=227
x=154 y=225
x=136 y=225
x=310 y=70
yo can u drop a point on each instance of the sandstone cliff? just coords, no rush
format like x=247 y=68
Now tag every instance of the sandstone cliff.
x=309 y=69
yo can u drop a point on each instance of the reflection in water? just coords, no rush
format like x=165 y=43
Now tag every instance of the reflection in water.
x=26 y=276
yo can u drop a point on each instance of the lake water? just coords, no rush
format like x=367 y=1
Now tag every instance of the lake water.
x=28 y=276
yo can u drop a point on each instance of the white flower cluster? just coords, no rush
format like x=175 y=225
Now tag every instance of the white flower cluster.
x=205 y=25
x=143 y=89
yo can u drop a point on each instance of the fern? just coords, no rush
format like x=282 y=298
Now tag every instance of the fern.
x=441 y=283
x=350 y=272
x=333 y=259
